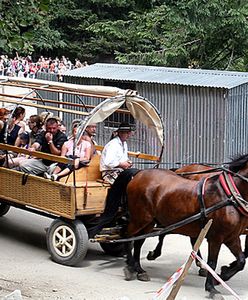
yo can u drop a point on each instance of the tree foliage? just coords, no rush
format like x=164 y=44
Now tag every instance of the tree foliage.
x=184 y=33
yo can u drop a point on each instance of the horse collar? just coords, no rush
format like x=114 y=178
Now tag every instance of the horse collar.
x=231 y=190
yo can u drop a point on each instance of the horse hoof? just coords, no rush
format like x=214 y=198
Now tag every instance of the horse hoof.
x=217 y=297
x=202 y=272
x=150 y=255
x=143 y=277
x=129 y=274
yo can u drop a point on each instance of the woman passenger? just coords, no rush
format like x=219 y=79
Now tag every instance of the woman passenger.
x=81 y=155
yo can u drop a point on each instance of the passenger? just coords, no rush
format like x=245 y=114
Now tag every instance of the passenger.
x=62 y=127
x=13 y=160
x=35 y=125
x=13 y=130
x=18 y=115
x=45 y=115
x=49 y=141
x=114 y=158
x=4 y=113
x=3 y=123
x=89 y=135
x=81 y=154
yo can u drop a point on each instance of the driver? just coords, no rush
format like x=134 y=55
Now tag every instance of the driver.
x=114 y=158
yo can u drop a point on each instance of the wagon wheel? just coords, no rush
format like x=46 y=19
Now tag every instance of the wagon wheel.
x=113 y=249
x=67 y=241
x=4 y=208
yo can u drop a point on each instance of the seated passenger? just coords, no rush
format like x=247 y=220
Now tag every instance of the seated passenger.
x=18 y=115
x=89 y=135
x=8 y=129
x=49 y=141
x=4 y=113
x=114 y=158
x=35 y=125
x=13 y=160
x=81 y=154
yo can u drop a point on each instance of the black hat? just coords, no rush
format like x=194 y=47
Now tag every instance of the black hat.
x=125 y=127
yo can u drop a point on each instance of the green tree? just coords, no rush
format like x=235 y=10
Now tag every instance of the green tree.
x=24 y=26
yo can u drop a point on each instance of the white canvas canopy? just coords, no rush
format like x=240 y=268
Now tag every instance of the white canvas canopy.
x=140 y=109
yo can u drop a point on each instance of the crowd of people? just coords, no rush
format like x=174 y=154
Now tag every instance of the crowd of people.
x=27 y=67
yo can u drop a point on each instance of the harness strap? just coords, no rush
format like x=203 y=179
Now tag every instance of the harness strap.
x=240 y=203
x=224 y=185
x=200 y=193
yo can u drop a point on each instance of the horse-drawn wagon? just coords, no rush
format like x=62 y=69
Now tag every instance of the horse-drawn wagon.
x=78 y=198
x=154 y=197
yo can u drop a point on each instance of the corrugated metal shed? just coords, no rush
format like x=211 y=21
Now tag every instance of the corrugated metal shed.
x=204 y=111
x=162 y=75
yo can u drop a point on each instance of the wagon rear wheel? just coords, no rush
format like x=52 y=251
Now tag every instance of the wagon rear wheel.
x=4 y=208
x=67 y=241
x=113 y=249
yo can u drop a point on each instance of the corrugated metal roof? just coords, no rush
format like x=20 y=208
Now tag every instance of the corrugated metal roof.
x=162 y=75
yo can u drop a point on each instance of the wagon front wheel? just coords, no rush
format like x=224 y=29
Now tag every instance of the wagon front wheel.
x=4 y=208
x=67 y=241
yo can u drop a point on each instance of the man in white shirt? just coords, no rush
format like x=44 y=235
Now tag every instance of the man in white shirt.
x=114 y=158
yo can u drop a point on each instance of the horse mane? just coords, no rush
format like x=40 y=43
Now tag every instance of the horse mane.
x=238 y=162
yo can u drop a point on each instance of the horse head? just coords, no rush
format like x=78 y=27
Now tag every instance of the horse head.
x=239 y=169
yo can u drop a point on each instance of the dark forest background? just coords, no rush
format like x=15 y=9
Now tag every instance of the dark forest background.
x=208 y=34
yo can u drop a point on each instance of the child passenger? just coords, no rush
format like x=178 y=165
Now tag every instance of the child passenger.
x=14 y=161
x=81 y=156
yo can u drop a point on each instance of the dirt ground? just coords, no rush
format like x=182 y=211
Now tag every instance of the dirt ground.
x=26 y=265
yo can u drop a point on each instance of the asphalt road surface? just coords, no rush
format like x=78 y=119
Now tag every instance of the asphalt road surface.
x=26 y=265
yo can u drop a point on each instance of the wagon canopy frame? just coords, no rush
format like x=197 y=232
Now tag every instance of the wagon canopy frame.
x=140 y=108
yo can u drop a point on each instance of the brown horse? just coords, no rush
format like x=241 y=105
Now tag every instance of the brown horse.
x=193 y=172
x=163 y=197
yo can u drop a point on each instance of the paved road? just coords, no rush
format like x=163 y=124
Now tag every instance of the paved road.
x=25 y=264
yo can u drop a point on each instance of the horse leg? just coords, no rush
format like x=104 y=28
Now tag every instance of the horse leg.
x=141 y=273
x=152 y=255
x=202 y=272
x=213 y=252
x=129 y=270
x=238 y=265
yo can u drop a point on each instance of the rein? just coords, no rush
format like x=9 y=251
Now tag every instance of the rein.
x=201 y=172
x=176 y=225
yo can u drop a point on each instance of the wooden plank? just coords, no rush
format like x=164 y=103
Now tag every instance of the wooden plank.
x=124 y=111
x=88 y=90
x=135 y=154
x=38 y=154
x=196 y=247
x=45 y=107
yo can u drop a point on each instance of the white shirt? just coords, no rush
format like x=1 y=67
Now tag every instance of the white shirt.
x=113 y=154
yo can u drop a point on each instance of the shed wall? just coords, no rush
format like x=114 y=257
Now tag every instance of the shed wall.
x=202 y=125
